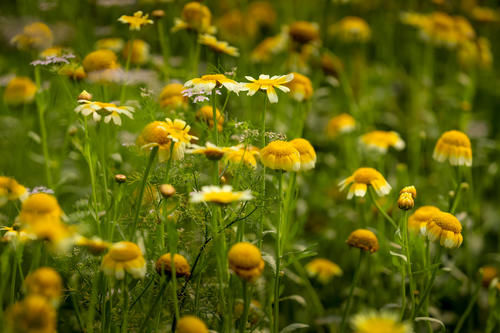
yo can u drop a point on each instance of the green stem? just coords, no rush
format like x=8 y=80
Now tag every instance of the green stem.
x=408 y=260
x=164 y=48
x=152 y=156
x=467 y=311
x=90 y=162
x=383 y=212
x=351 y=292
x=40 y=105
x=124 y=328
x=429 y=284
x=214 y=113
x=278 y=255
x=130 y=49
x=263 y=174
x=246 y=307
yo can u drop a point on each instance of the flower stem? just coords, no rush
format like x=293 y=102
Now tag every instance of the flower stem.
x=406 y=246
x=125 y=306
x=127 y=66
x=429 y=284
x=263 y=174
x=351 y=291
x=164 y=48
x=152 y=156
x=246 y=307
x=467 y=311
x=278 y=255
x=384 y=214
x=214 y=112
x=43 y=129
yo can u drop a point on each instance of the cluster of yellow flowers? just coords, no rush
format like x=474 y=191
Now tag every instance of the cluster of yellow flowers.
x=37 y=312
x=443 y=29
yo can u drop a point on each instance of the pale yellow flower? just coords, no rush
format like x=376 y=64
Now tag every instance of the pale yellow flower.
x=136 y=21
x=218 y=46
x=220 y=195
x=268 y=84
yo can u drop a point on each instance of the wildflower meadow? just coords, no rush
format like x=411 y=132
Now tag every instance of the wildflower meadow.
x=249 y=166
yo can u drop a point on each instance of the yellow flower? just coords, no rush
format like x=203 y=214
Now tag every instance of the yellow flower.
x=73 y=71
x=161 y=134
x=246 y=261
x=218 y=46
x=343 y=123
x=323 y=269
x=268 y=84
x=221 y=195
x=420 y=218
x=19 y=90
x=269 y=47
x=262 y=13
x=240 y=154
x=209 y=82
x=300 y=87
x=164 y=265
x=110 y=111
x=363 y=239
x=36 y=36
x=34 y=314
x=304 y=32
x=95 y=245
x=381 y=141
x=171 y=96
x=195 y=16
x=124 y=256
x=281 y=155
x=191 y=324
x=113 y=44
x=54 y=51
x=307 y=153
x=488 y=273
x=140 y=52
x=352 y=29
x=485 y=14
x=443 y=227
x=12 y=234
x=100 y=60
x=136 y=21
x=234 y=27
x=331 y=64
x=206 y=114
x=211 y=151
x=476 y=52
x=379 y=322
x=455 y=147
x=45 y=282
x=361 y=179
x=10 y=189
x=40 y=208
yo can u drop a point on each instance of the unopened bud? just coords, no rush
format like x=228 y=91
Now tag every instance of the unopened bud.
x=167 y=190
x=409 y=189
x=405 y=201
x=158 y=13
x=85 y=96
x=120 y=178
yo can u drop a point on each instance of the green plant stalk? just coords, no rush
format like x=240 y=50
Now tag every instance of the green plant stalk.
x=351 y=291
x=467 y=311
x=13 y=280
x=276 y=312
x=40 y=105
x=214 y=113
x=164 y=48
x=263 y=174
x=152 y=156
x=92 y=305
x=428 y=288
x=124 y=328
x=172 y=244
x=127 y=66
x=90 y=162
x=147 y=319
x=116 y=201
x=246 y=307
x=384 y=214
x=316 y=302
x=408 y=260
